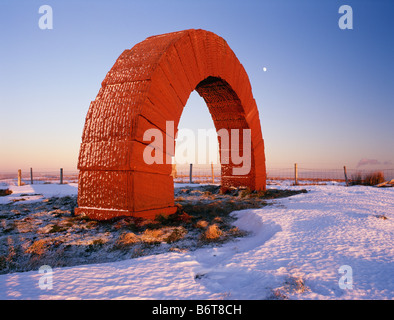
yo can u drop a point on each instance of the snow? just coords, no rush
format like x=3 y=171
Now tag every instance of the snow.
x=294 y=251
x=32 y=192
x=39 y=191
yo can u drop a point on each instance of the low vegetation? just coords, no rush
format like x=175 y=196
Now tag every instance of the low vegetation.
x=369 y=179
x=47 y=232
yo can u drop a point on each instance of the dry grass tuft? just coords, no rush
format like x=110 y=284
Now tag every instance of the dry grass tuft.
x=374 y=178
x=212 y=233
x=165 y=234
x=369 y=179
x=202 y=224
x=39 y=247
x=152 y=236
x=127 y=239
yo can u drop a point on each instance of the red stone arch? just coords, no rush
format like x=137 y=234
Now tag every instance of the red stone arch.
x=147 y=86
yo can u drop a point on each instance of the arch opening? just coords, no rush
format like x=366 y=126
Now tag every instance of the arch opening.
x=228 y=116
x=147 y=89
x=196 y=121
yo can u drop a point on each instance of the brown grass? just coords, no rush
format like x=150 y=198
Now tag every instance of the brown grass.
x=39 y=247
x=369 y=179
x=165 y=234
x=126 y=239
x=212 y=233
x=202 y=224
x=374 y=178
x=152 y=236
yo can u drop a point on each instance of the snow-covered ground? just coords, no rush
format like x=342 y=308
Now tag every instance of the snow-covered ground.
x=37 y=191
x=295 y=251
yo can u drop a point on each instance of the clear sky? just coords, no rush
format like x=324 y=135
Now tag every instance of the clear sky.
x=325 y=100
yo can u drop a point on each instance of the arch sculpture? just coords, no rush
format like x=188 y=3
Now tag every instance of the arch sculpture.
x=149 y=85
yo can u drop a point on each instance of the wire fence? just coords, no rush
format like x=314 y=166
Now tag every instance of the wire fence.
x=325 y=174
x=203 y=174
x=40 y=177
x=212 y=173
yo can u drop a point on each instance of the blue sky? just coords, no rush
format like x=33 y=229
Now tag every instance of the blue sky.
x=326 y=99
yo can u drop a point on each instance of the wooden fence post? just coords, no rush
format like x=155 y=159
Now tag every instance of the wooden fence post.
x=61 y=175
x=213 y=175
x=344 y=170
x=191 y=173
x=295 y=174
x=173 y=171
x=31 y=175
x=19 y=177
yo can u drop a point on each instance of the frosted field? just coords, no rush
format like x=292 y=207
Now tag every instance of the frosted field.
x=295 y=250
